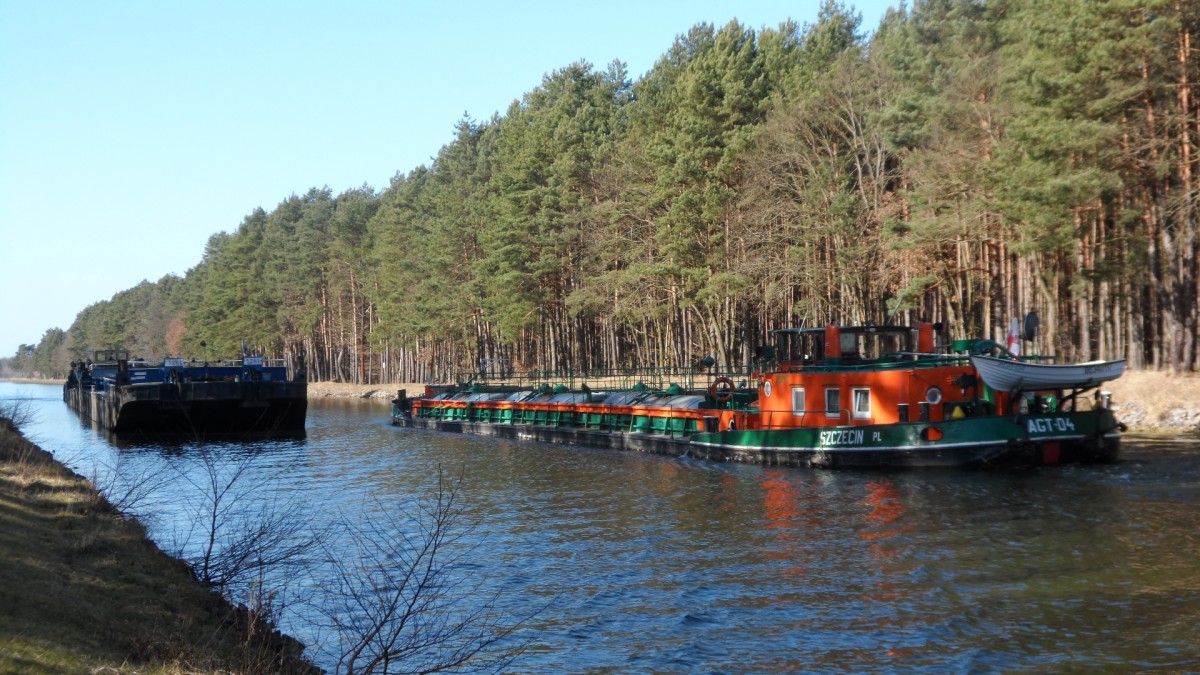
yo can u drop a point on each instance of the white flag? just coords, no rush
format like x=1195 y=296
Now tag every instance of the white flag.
x=1014 y=338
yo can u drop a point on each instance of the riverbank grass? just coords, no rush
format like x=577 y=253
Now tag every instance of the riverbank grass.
x=83 y=590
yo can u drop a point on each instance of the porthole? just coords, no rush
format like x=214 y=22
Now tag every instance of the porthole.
x=933 y=395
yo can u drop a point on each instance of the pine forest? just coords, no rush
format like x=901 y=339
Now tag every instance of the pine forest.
x=963 y=162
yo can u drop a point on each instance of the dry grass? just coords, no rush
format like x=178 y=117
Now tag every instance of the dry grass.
x=1159 y=392
x=83 y=590
x=1158 y=402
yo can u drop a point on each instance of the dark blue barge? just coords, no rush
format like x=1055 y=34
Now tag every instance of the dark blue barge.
x=187 y=398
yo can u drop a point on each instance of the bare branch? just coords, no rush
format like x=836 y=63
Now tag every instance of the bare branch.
x=18 y=412
x=408 y=598
x=242 y=533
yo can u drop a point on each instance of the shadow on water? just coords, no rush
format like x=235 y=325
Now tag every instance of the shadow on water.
x=177 y=443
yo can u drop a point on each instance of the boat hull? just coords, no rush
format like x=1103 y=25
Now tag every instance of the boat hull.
x=1020 y=440
x=194 y=409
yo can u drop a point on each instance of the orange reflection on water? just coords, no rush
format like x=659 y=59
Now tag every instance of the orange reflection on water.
x=885 y=520
x=779 y=500
x=728 y=492
x=787 y=509
x=668 y=473
x=886 y=509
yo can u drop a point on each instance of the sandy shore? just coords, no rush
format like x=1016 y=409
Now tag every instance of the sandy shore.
x=383 y=393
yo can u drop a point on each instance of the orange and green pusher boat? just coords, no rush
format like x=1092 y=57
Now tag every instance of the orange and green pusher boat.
x=838 y=396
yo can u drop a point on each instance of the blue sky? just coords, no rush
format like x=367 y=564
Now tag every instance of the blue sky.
x=130 y=132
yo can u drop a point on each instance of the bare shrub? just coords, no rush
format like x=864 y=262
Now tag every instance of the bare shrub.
x=245 y=545
x=22 y=456
x=412 y=603
x=129 y=491
x=17 y=412
x=235 y=532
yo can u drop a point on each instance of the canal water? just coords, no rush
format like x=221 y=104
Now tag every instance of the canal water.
x=618 y=561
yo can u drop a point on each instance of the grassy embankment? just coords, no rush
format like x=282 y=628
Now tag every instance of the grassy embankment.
x=82 y=590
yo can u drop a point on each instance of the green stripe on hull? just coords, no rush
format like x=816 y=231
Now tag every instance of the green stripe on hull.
x=1073 y=427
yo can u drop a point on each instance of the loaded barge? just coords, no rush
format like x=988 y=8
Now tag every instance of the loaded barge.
x=186 y=398
x=834 y=396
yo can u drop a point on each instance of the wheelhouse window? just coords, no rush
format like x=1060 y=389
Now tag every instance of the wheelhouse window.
x=798 y=401
x=833 y=402
x=861 y=403
x=850 y=343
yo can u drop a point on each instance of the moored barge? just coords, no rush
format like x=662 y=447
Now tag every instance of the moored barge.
x=834 y=396
x=186 y=398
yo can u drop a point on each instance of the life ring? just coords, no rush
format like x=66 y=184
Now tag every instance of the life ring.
x=721 y=390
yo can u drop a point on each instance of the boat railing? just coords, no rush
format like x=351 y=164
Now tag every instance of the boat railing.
x=229 y=363
x=657 y=378
x=891 y=361
x=192 y=362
